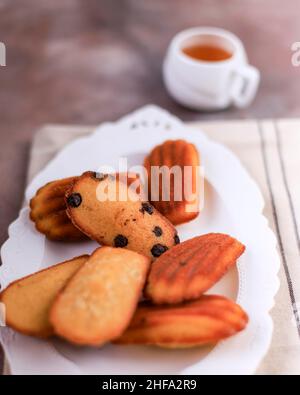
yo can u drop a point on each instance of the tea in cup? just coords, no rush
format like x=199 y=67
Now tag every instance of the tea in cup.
x=207 y=69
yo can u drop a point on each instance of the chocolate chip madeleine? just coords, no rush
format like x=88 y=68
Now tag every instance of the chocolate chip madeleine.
x=109 y=212
x=48 y=209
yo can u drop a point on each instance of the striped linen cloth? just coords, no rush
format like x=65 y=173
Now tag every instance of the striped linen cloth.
x=270 y=150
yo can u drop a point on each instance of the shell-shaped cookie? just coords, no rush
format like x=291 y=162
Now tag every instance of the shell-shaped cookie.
x=48 y=212
x=191 y=268
x=109 y=212
x=28 y=300
x=176 y=200
x=48 y=209
x=98 y=303
x=204 y=321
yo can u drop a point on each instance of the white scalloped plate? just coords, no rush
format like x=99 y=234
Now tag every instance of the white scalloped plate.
x=233 y=204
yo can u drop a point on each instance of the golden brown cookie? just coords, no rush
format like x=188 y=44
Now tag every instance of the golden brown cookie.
x=28 y=300
x=191 y=268
x=204 y=321
x=48 y=212
x=109 y=212
x=183 y=155
x=100 y=300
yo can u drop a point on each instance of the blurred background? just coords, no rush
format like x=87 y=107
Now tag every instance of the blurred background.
x=88 y=61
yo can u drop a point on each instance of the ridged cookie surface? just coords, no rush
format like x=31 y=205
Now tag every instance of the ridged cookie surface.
x=201 y=322
x=28 y=300
x=191 y=268
x=100 y=300
x=48 y=212
x=181 y=154
x=109 y=212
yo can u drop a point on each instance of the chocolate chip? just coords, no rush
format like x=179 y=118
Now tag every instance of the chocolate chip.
x=120 y=241
x=183 y=263
x=146 y=207
x=158 y=249
x=99 y=176
x=74 y=200
x=176 y=239
x=157 y=231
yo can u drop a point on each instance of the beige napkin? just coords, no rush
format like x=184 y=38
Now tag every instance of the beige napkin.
x=270 y=152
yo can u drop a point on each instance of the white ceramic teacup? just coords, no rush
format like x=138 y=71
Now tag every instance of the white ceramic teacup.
x=210 y=85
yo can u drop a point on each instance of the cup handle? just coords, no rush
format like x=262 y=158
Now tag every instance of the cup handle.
x=245 y=82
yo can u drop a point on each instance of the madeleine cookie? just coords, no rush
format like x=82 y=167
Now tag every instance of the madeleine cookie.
x=191 y=268
x=109 y=212
x=48 y=212
x=100 y=300
x=28 y=300
x=202 y=322
x=175 y=196
x=48 y=209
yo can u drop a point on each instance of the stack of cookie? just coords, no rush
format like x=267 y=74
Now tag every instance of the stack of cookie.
x=142 y=286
